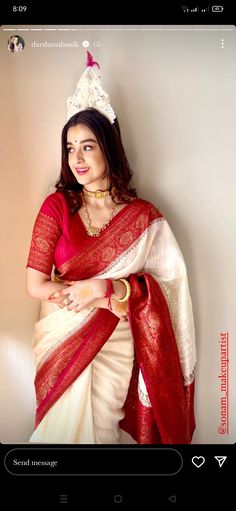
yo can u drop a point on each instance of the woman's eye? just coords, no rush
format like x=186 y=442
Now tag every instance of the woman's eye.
x=85 y=148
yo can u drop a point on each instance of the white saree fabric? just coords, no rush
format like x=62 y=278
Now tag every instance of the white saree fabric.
x=89 y=411
x=91 y=408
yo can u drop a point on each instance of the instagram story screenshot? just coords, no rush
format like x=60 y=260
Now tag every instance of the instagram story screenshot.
x=117 y=330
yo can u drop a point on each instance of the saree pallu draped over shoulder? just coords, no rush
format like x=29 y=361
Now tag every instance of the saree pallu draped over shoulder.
x=158 y=401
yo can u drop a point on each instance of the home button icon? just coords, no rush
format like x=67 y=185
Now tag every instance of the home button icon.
x=118 y=499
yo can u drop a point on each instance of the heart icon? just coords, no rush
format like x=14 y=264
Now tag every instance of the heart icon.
x=198 y=461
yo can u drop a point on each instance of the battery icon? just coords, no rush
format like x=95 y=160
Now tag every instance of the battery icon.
x=217 y=8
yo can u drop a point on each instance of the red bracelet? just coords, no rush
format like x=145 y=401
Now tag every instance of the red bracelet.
x=109 y=291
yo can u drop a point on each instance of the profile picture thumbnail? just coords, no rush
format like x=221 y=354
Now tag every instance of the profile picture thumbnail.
x=16 y=44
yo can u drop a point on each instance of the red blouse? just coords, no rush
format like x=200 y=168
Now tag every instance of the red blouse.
x=58 y=235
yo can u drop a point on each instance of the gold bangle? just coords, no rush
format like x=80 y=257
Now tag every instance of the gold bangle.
x=128 y=291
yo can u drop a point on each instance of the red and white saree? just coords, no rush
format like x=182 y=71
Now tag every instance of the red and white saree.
x=96 y=376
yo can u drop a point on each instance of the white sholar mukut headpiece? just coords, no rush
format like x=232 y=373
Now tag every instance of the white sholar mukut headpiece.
x=89 y=93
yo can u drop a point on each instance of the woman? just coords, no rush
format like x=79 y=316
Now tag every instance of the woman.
x=117 y=350
x=15 y=44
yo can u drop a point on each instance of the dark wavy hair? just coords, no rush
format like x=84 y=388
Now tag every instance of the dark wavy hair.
x=109 y=140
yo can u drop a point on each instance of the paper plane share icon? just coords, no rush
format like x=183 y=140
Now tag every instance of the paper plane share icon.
x=220 y=459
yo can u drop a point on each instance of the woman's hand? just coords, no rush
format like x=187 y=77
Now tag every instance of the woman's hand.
x=80 y=293
x=120 y=309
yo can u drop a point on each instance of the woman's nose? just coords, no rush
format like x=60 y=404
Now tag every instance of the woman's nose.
x=79 y=156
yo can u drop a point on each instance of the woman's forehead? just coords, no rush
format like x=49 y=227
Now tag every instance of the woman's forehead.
x=79 y=129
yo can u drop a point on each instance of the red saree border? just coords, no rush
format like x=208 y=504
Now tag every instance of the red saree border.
x=68 y=361
x=99 y=252
x=171 y=417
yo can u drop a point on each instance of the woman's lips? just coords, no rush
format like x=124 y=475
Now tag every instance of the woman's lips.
x=81 y=170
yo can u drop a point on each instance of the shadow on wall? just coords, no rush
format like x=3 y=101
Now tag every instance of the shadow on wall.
x=17 y=389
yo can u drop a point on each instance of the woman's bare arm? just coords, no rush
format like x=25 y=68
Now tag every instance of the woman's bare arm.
x=40 y=286
x=119 y=309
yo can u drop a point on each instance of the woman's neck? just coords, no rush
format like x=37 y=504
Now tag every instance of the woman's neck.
x=104 y=202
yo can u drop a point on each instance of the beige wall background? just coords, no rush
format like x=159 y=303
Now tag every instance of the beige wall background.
x=174 y=94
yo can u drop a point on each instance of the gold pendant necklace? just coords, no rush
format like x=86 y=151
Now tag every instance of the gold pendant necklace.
x=92 y=230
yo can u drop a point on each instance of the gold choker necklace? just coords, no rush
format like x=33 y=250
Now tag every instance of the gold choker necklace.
x=99 y=194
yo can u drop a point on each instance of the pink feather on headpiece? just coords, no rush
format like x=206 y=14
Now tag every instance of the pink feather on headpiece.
x=90 y=61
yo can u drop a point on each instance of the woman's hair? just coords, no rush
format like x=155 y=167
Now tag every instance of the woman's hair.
x=110 y=143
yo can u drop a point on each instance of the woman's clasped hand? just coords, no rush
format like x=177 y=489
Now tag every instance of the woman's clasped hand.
x=79 y=293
